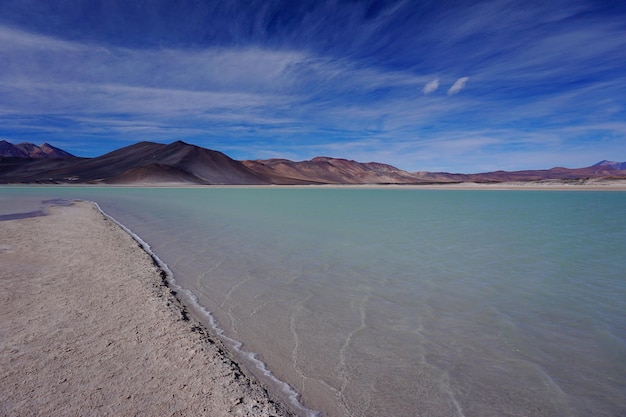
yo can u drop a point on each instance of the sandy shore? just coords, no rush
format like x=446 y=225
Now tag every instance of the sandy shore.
x=87 y=328
x=594 y=184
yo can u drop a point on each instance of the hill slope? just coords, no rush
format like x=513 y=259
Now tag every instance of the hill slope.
x=182 y=163
x=152 y=162
x=29 y=150
x=325 y=170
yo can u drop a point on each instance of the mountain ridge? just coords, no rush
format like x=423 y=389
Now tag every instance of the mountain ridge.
x=616 y=165
x=30 y=150
x=183 y=163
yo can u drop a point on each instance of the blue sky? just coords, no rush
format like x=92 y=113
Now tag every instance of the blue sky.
x=458 y=86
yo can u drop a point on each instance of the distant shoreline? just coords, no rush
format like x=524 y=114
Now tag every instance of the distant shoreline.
x=547 y=185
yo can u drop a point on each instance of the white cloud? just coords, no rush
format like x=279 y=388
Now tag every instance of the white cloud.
x=287 y=97
x=431 y=86
x=458 y=86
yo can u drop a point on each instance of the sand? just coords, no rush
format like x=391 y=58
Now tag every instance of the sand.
x=593 y=184
x=88 y=328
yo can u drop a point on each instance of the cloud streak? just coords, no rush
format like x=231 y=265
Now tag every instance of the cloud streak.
x=304 y=80
x=458 y=86
x=431 y=86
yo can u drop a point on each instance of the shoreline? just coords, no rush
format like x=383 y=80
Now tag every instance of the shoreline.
x=545 y=185
x=97 y=327
x=188 y=305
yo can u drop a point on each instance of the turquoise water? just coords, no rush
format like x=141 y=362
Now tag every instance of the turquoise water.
x=402 y=302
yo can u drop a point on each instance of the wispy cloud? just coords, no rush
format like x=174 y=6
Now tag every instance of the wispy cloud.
x=431 y=86
x=328 y=78
x=248 y=86
x=458 y=86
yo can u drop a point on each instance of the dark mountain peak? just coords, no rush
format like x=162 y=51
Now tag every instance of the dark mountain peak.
x=179 y=144
x=186 y=151
x=139 y=148
x=182 y=148
x=604 y=162
x=610 y=164
x=7 y=149
x=28 y=147
x=145 y=143
x=54 y=152
x=30 y=150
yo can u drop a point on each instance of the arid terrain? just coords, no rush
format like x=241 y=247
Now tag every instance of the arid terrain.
x=182 y=163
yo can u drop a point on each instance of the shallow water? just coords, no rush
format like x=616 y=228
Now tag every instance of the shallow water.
x=374 y=302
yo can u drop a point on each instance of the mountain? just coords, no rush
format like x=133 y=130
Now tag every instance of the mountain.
x=558 y=173
x=611 y=164
x=29 y=150
x=182 y=163
x=325 y=170
x=9 y=150
x=176 y=162
x=144 y=162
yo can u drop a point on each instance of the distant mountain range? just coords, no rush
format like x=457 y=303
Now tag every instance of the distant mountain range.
x=182 y=163
x=28 y=150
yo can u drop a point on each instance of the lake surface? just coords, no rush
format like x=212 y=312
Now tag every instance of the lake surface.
x=401 y=302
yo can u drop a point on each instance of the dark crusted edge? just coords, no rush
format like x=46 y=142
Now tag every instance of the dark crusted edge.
x=164 y=290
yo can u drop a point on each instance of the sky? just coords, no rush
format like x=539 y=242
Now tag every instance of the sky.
x=456 y=86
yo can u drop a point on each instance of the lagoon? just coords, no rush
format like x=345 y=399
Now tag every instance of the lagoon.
x=399 y=302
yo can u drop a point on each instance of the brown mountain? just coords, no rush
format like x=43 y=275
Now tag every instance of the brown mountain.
x=558 y=173
x=29 y=150
x=324 y=170
x=610 y=164
x=145 y=162
x=179 y=162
